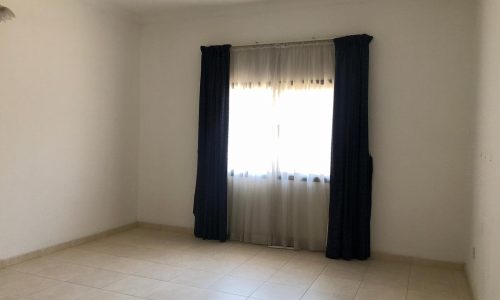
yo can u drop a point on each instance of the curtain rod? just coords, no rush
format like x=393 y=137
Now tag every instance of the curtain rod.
x=258 y=45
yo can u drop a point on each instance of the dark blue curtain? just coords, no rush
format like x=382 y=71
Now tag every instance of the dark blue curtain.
x=352 y=165
x=210 y=200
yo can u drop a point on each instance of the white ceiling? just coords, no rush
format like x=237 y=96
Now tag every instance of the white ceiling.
x=144 y=6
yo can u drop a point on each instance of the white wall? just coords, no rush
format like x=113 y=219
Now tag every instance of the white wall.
x=484 y=270
x=421 y=104
x=68 y=123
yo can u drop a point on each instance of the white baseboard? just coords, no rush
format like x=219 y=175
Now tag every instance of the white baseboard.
x=189 y=231
x=418 y=261
x=377 y=255
x=47 y=250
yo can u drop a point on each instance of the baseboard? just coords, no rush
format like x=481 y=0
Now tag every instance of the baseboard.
x=169 y=228
x=189 y=231
x=47 y=250
x=417 y=260
x=375 y=254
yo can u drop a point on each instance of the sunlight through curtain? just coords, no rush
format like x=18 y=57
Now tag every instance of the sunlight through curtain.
x=280 y=130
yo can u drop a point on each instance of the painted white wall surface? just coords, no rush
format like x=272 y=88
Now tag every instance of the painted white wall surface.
x=484 y=270
x=69 y=91
x=421 y=104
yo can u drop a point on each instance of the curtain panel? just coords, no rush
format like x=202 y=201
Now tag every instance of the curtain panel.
x=210 y=200
x=352 y=166
x=281 y=100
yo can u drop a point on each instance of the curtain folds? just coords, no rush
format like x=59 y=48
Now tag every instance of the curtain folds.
x=279 y=144
x=210 y=200
x=282 y=65
x=351 y=170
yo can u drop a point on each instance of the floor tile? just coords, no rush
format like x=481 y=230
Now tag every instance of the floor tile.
x=437 y=275
x=313 y=266
x=168 y=291
x=127 y=265
x=344 y=275
x=236 y=285
x=294 y=276
x=273 y=262
x=311 y=256
x=215 y=295
x=97 y=278
x=318 y=295
x=335 y=285
x=380 y=292
x=134 y=286
x=34 y=266
x=276 y=291
x=413 y=295
x=106 y=295
x=62 y=291
x=17 y=284
x=83 y=257
x=8 y=298
x=64 y=271
x=432 y=286
x=196 y=278
x=152 y=264
x=256 y=272
x=380 y=266
x=346 y=270
x=386 y=278
x=159 y=272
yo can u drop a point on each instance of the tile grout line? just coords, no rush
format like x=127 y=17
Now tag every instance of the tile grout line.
x=309 y=288
x=408 y=281
x=193 y=246
x=360 y=283
x=263 y=281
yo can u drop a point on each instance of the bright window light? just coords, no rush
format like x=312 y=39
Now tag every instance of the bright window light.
x=280 y=132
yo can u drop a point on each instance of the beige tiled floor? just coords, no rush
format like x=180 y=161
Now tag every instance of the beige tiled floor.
x=149 y=264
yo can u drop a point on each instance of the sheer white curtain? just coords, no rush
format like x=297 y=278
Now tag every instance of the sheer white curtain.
x=280 y=130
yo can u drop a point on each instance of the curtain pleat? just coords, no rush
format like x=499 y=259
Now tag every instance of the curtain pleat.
x=210 y=200
x=279 y=144
x=352 y=166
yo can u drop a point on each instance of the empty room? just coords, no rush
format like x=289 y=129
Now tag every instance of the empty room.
x=249 y=149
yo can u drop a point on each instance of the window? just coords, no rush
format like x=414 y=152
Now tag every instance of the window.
x=281 y=107
x=280 y=134
x=289 y=130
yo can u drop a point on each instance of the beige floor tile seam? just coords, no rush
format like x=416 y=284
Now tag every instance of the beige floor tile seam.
x=115 y=292
x=185 y=268
x=151 y=261
x=72 y=283
x=141 y=260
x=103 y=289
x=411 y=265
x=360 y=283
x=74 y=264
x=416 y=265
x=319 y=274
x=114 y=243
x=125 y=274
x=263 y=281
x=250 y=257
x=4 y=263
x=408 y=282
x=185 y=232
x=169 y=281
x=249 y=296
x=92 y=287
x=268 y=280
